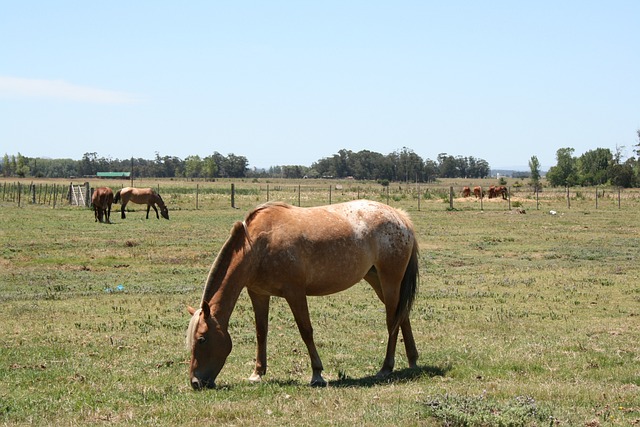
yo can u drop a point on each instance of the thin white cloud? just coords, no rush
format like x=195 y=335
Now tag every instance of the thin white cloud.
x=59 y=89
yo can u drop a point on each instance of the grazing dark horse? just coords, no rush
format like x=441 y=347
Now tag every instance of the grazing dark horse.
x=102 y=199
x=502 y=191
x=141 y=196
x=291 y=252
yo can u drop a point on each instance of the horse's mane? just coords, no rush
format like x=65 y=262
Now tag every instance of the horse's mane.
x=191 y=330
x=234 y=242
x=268 y=205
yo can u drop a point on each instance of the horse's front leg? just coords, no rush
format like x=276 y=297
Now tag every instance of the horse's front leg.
x=260 y=305
x=154 y=208
x=300 y=310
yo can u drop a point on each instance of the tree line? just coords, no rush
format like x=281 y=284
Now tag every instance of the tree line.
x=600 y=166
x=401 y=165
x=595 y=167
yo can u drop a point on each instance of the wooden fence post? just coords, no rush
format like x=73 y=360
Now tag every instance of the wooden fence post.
x=568 y=199
x=87 y=195
x=233 y=195
x=618 y=197
x=451 y=197
x=197 y=194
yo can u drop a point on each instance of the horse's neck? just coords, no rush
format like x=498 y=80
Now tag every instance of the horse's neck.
x=222 y=298
x=229 y=274
x=227 y=277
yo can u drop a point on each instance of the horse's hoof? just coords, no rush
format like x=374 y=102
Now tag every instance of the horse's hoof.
x=318 y=383
x=382 y=374
x=255 y=378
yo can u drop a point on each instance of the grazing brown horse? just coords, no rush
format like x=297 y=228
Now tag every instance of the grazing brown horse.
x=502 y=191
x=478 y=192
x=141 y=196
x=291 y=252
x=102 y=199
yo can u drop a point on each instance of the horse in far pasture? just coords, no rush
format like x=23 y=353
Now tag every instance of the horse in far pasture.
x=101 y=199
x=141 y=196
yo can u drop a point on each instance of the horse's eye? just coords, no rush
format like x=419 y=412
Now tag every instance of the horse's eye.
x=201 y=339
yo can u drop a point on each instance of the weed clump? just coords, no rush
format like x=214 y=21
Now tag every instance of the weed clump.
x=480 y=410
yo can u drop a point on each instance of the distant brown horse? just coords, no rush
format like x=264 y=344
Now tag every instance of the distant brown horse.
x=502 y=191
x=291 y=252
x=101 y=200
x=141 y=196
x=478 y=192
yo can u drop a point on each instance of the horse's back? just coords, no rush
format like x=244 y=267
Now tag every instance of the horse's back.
x=137 y=195
x=102 y=196
x=330 y=248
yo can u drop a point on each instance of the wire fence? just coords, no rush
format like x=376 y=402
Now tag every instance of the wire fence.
x=245 y=195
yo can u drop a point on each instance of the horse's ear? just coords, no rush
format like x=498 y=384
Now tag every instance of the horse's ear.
x=191 y=310
x=206 y=311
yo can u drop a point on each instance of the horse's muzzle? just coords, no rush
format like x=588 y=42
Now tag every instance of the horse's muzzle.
x=198 y=384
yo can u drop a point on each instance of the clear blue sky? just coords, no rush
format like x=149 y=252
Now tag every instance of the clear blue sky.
x=291 y=82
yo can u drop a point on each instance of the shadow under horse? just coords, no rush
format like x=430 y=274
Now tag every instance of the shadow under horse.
x=141 y=196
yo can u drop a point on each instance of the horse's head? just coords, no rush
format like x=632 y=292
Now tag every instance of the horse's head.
x=164 y=212
x=210 y=344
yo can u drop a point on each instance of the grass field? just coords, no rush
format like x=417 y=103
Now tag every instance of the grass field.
x=521 y=319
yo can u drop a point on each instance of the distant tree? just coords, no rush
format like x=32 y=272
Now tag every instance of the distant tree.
x=593 y=166
x=236 y=166
x=623 y=175
x=447 y=167
x=6 y=166
x=564 y=173
x=88 y=164
x=294 y=171
x=534 y=166
x=209 y=167
x=193 y=166
x=22 y=170
x=430 y=171
x=408 y=165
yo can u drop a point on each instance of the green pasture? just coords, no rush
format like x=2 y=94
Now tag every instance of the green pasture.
x=522 y=319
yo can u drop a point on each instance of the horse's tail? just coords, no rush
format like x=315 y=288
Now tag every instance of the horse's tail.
x=408 y=287
x=116 y=199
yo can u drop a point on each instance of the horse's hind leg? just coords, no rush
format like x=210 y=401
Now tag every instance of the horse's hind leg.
x=409 y=343
x=373 y=279
x=122 y=215
x=300 y=310
x=260 y=305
